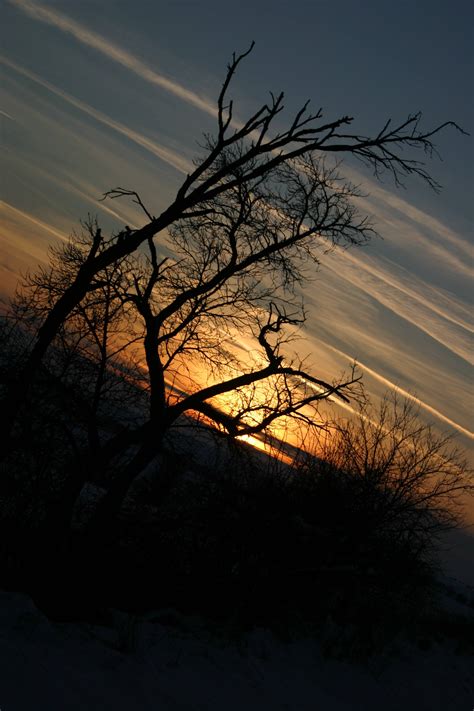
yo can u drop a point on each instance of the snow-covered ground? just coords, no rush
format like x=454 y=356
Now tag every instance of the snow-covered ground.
x=167 y=662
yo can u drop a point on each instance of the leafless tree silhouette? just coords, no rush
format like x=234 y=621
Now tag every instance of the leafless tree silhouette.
x=411 y=483
x=260 y=207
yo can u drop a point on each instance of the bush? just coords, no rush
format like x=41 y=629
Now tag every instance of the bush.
x=352 y=535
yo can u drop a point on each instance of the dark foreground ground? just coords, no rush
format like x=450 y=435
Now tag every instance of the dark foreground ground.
x=166 y=661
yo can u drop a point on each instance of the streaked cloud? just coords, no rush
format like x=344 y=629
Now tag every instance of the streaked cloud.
x=406 y=394
x=171 y=157
x=24 y=242
x=125 y=58
x=401 y=320
x=113 y=52
x=420 y=236
x=439 y=247
x=25 y=216
x=60 y=180
x=416 y=303
x=407 y=209
x=123 y=213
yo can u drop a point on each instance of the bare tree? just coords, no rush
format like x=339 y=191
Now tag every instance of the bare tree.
x=89 y=347
x=89 y=387
x=240 y=155
x=409 y=483
x=246 y=225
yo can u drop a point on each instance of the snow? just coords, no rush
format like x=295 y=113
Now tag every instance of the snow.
x=165 y=661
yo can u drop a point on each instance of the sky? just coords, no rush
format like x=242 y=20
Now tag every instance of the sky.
x=99 y=94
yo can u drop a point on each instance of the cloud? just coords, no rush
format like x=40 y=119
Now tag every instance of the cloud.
x=406 y=209
x=25 y=216
x=127 y=213
x=402 y=391
x=112 y=52
x=117 y=54
x=60 y=180
x=165 y=154
x=415 y=302
x=427 y=245
x=389 y=202
x=23 y=239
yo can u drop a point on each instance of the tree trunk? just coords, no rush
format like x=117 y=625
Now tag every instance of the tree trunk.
x=111 y=503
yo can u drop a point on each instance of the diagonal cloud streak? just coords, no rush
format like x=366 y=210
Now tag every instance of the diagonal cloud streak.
x=406 y=209
x=415 y=308
x=131 y=62
x=39 y=223
x=447 y=246
x=112 y=51
x=174 y=159
x=405 y=393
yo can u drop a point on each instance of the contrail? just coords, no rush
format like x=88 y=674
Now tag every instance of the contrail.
x=374 y=268
x=174 y=159
x=393 y=294
x=128 y=60
x=34 y=220
x=112 y=52
x=405 y=393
